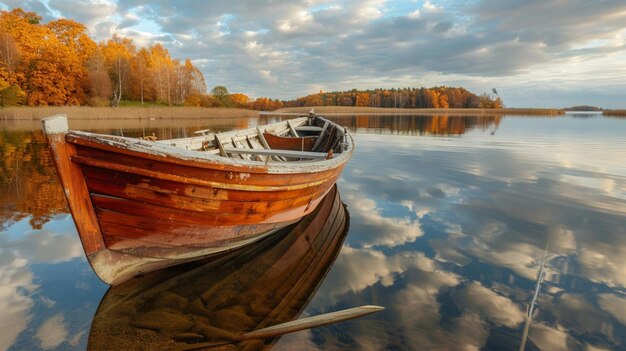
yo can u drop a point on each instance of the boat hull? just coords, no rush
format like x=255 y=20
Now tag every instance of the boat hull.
x=218 y=299
x=137 y=209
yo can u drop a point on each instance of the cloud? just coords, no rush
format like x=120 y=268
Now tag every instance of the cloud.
x=16 y=281
x=15 y=301
x=372 y=228
x=548 y=338
x=595 y=348
x=303 y=339
x=30 y=5
x=467 y=331
x=52 y=332
x=578 y=314
x=43 y=246
x=604 y=266
x=489 y=305
x=490 y=211
x=615 y=305
x=409 y=285
x=357 y=269
x=364 y=44
x=558 y=25
x=88 y=12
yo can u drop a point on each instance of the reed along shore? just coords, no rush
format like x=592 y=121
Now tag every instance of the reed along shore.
x=165 y=112
x=113 y=113
x=614 y=113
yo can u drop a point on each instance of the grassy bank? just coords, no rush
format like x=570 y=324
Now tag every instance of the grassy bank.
x=615 y=113
x=329 y=110
x=85 y=112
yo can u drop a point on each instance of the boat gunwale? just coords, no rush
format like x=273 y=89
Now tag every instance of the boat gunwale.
x=161 y=151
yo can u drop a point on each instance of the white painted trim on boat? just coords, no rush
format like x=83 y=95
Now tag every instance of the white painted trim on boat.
x=166 y=150
x=55 y=124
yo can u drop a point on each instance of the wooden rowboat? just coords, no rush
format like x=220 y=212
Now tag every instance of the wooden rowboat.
x=208 y=302
x=143 y=205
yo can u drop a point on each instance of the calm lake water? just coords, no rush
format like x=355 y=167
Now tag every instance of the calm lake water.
x=450 y=219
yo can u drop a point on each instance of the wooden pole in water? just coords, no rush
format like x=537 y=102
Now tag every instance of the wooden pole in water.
x=294 y=326
x=311 y=322
x=531 y=307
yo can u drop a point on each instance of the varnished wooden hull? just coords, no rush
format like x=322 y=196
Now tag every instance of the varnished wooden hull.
x=218 y=299
x=140 y=207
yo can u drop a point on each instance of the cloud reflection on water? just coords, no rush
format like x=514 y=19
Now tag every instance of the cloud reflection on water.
x=27 y=297
x=485 y=210
x=16 y=284
x=52 y=332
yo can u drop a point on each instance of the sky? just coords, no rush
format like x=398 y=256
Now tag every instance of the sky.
x=536 y=53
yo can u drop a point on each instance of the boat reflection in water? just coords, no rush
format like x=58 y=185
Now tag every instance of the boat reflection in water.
x=261 y=285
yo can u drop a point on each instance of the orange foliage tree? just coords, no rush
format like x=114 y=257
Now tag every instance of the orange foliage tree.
x=265 y=104
x=59 y=64
x=48 y=69
x=362 y=99
x=239 y=100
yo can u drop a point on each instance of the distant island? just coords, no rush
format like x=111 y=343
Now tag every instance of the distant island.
x=606 y=112
x=583 y=108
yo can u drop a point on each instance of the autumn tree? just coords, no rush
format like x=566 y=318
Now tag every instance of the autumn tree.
x=99 y=79
x=443 y=101
x=489 y=101
x=139 y=77
x=75 y=37
x=239 y=100
x=314 y=100
x=118 y=52
x=161 y=69
x=59 y=64
x=47 y=68
x=434 y=99
x=265 y=104
x=9 y=56
x=10 y=94
x=362 y=99
x=80 y=47
x=220 y=93
x=189 y=80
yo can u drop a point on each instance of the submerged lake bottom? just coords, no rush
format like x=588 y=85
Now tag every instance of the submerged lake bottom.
x=454 y=224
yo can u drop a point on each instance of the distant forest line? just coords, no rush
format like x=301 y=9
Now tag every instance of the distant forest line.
x=59 y=64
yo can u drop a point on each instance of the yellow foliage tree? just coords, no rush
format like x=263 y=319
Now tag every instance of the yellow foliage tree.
x=239 y=100
x=117 y=53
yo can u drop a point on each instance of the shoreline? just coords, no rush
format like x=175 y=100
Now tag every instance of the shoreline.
x=351 y=110
x=122 y=113
x=188 y=113
x=614 y=113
